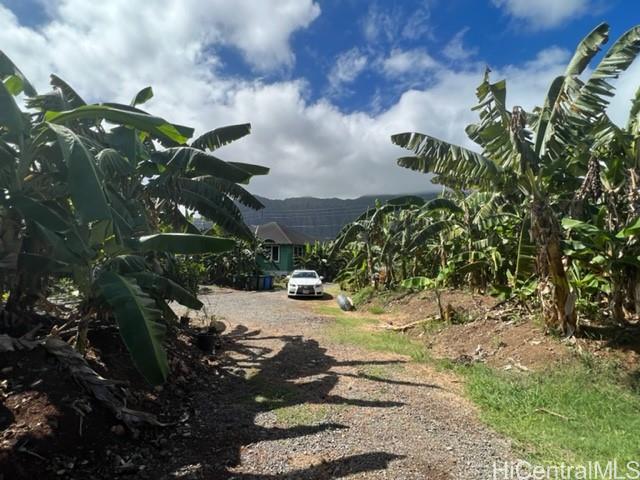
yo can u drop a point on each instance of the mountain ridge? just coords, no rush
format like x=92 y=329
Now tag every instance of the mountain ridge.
x=319 y=218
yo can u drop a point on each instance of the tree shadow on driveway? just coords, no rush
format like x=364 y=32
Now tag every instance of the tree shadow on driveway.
x=258 y=379
x=223 y=405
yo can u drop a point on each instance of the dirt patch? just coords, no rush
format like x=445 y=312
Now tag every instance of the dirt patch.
x=518 y=344
x=500 y=344
x=502 y=335
x=486 y=330
x=403 y=308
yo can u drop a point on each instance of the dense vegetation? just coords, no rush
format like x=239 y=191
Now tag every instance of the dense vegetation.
x=103 y=195
x=549 y=209
x=317 y=256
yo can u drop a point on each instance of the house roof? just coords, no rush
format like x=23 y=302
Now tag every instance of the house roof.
x=281 y=234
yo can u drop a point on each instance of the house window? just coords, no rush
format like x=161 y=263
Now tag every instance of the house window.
x=271 y=251
x=274 y=252
x=298 y=251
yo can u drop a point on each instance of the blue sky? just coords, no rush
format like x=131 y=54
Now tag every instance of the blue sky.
x=324 y=83
x=484 y=31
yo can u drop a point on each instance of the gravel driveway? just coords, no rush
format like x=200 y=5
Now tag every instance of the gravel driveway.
x=310 y=408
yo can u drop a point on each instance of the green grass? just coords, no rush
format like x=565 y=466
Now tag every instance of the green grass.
x=329 y=310
x=376 y=310
x=346 y=329
x=595 y=416
x=301 y=414
x=380 y=297
x=361 y=296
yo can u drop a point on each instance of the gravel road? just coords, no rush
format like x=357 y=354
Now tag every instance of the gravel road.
x=312 y=408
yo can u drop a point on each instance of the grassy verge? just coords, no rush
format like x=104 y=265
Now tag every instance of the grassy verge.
x=376 y=310
x=362 y=331
x=574 y=413
x=377 y=298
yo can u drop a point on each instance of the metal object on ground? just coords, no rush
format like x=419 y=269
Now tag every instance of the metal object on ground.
x=345 y=303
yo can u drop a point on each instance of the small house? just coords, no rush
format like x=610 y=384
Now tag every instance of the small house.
x=281 y=246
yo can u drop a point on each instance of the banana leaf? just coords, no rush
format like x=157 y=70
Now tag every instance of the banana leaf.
x=139 y=324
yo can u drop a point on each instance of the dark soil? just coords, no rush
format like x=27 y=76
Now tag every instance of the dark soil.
x=52 y=429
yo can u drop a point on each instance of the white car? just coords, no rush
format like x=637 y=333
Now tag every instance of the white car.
x=305 y=283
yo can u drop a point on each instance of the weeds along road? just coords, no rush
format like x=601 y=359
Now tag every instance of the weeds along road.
x=316 y=407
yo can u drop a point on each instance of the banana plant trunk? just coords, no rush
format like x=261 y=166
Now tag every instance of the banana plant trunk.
x=403 y=267
x=625 y=293
x=10 y=247
x=636 y=292
x=391 y=276
x=558 y=302
x=617 y=296
x=372 y=276
x=414 y=266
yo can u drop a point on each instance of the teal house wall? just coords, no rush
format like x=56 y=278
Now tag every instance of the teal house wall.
x=286 y=263
x=286 y=258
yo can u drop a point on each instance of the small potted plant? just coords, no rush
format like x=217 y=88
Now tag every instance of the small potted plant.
x=208 y=339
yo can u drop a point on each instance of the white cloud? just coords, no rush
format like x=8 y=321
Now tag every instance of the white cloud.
x=312 y=147
x=418 y=25
x=389 y=24
x=412 y=62
x=549 y=56
x=626 y=87
x=379 y=24
x=315 y=149
x=163 y=32
x=349 y=65
x=544 y=14
x=455 y=49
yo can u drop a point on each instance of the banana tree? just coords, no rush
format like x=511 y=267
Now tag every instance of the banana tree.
x=535 y=160
x=81 y=199
x=354 y=274
x=606 y=208
x=410 y=232
x=610 y=255
x=479 y=240
x=317 y=256
x=368 y=231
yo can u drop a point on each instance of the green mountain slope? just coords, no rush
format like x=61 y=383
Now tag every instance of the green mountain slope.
x=320 y=218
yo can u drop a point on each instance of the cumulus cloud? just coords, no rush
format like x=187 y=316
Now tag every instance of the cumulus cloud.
x=312 y=147
x=403 y=62
x=544 y=14
x=163 y=34
x=349 y=65
x=316 y=149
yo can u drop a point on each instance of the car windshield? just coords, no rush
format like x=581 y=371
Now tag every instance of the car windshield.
x=304 y=275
